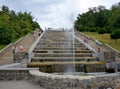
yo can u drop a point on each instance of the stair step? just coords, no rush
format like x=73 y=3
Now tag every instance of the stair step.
x=33 y=64
x=62 y=51
x=62 y=54
x=42 y=59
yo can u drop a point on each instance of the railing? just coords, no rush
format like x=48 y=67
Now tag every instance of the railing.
x=30 y=51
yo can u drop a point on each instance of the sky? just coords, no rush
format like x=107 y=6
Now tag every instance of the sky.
x=55 y=13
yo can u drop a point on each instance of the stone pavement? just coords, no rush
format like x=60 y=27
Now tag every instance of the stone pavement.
x=18 y=84
x=26 y=42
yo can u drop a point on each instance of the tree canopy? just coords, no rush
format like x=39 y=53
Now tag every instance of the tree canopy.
x=99 y=19
x=15 y=24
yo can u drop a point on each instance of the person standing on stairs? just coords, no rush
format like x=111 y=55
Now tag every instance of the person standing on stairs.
x=15 y=50
x=20 y=48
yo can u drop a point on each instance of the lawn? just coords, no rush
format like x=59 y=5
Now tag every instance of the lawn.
x=105 y=38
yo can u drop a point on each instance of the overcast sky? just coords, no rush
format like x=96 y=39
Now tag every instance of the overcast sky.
x=55 y=13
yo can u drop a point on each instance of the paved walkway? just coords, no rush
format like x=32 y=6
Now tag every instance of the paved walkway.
x=7 y=58
x=18 y=84
x=26 y=42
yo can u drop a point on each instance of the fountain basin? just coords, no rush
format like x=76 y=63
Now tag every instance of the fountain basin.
x=51 y=81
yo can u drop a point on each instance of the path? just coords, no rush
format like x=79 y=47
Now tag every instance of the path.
x=18 y=84
x=26 y=42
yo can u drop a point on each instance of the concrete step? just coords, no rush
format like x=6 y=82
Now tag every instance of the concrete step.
x=37 y=64
x=62 y=54
x=60 y=43
x=60 y=48
x=3 y=62
x=50 y=59
x=62 y=51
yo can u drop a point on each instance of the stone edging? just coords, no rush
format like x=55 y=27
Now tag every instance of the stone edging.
x=30 y=51
x=51 y=81
x=113 y=49
x=5 y=49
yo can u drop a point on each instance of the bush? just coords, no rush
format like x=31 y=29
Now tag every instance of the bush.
x=102 y=31
x=115 y=34
x=93 y=29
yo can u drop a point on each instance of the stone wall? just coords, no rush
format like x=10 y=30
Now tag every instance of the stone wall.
x=19 y=56
x=15 y=74
x=50 y=81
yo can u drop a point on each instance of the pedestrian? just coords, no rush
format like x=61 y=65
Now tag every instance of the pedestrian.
x=34 y=37
x=99 y=50
x=96 y=41
x=39 y=33
x=85 y=39
x=15 y=50
x=20 y=48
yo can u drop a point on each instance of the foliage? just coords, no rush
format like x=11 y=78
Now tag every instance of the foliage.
x=94 y=18
x=99 y=19
x=115 y=35
x=15 y=24
x=102 y=30
x=2 y=46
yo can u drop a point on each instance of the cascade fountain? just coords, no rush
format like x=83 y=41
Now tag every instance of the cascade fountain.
x=70 y=69
x=60 y=52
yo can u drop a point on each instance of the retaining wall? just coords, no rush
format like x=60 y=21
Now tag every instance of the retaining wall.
x=20 y=56
x=15 y=73
x=50 y=81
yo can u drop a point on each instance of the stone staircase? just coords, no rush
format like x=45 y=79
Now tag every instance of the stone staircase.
x=58 y=50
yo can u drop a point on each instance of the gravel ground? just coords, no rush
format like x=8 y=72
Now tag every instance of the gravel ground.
x=18 y=84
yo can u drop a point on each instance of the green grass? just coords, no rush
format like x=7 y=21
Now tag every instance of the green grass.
x=105 y=38
x=2 y=46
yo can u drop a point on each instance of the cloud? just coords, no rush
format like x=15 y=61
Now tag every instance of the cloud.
x=55 y=13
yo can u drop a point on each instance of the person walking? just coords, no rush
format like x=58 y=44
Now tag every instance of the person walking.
x=20 y=48
x=85 y=40
x=15 y=50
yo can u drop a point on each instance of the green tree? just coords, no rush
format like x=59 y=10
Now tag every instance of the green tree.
x=5 y=9
x=15 y=25
x=115 y=35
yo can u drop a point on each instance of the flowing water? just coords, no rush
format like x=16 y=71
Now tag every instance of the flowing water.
x=70 y=69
